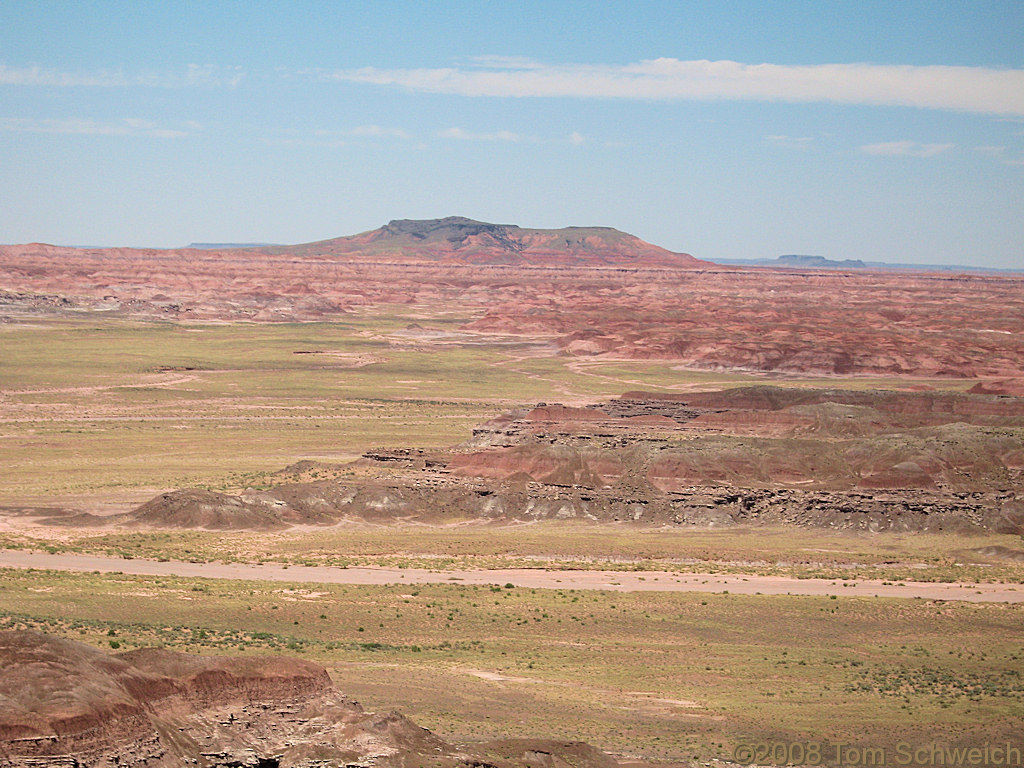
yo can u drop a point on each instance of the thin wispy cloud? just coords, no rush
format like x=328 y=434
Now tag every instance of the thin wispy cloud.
x=50 y=77
x=790 y=142
x=971 y=89
x=335 y=138
x=1001 y=153
x=905 y=149
x=278 y=141
x=463 y=135
x=990 y=150
x=504 y=62
x=194 y=75
x=90 y=127
x=377 y=130
x=460 y=134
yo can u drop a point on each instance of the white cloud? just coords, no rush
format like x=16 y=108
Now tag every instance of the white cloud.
x=791 y=142
x=971 y=89
x=905 y=149
x=286 y=142
x=335 y=138
x=207 y=75
x=140 y=125
x=505 y=62
x=40 y=76
x=195 y=75
x=90 y=127
x=376 y=130
x=461 y=135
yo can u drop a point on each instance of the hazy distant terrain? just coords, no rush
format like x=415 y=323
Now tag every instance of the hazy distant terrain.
x=821 y=262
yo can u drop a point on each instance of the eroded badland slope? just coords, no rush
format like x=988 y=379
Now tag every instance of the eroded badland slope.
x=592 y=292
x=64 y=703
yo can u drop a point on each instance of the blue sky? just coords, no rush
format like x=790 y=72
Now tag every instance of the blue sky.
x=881 y=131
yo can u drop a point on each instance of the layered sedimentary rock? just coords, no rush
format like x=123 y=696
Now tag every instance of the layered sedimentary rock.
x=877 y=460
x=63 y=703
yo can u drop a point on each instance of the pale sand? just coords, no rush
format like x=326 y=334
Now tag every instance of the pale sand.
x=616 y=581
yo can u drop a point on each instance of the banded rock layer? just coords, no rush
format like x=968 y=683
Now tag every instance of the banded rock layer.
x=66 y=704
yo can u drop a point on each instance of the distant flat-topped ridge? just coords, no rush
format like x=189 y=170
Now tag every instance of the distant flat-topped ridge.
x=460 y=226
x=454 y=240
x=227 y=246
x=459 y=240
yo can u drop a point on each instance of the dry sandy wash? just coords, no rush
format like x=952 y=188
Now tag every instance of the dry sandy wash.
x=536 y=578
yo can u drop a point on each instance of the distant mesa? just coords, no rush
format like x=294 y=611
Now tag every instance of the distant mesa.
x=798 y=260
x=226 y=246
x=458 y=240
x=807 y=261
x=803 y=261
x=454 y=240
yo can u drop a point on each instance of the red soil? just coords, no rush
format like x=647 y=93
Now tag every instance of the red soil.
x=592 y=292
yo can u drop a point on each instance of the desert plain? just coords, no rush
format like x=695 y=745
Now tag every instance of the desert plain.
x=527 y=488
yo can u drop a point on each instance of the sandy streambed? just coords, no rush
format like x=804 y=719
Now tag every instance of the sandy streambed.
x=618 y=581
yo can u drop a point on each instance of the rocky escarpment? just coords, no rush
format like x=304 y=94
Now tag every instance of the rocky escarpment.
x=869 y=460
x=445 y=499
x=762 y=438
x=63 y=703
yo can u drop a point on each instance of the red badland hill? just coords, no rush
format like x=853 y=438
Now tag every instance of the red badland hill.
x=591 y=292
